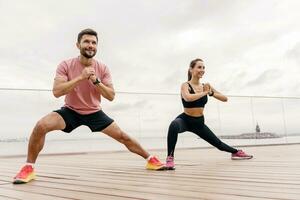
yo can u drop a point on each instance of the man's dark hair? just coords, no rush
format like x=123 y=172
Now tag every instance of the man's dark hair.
x=87 y=31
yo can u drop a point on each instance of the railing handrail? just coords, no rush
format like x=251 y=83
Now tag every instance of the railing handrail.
x=149 y=93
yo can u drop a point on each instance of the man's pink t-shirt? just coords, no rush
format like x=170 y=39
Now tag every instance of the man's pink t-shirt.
x=84 y=98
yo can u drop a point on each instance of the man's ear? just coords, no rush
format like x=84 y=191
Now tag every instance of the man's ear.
x=77 y=45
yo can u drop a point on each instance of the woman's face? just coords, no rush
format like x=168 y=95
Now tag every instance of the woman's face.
x=198 y=70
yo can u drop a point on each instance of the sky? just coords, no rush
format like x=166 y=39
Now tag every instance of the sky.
x=249 y=47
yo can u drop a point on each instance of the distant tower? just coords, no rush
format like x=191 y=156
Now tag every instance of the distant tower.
x=257 y=129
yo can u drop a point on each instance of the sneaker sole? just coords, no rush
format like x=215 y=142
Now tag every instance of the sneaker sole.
x=170 y=168
x=155 y=168
x=241 y=158
x=23 y=181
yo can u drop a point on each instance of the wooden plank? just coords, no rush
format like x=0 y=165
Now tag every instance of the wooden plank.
x=2 y=197
x=185 y=192
x=122 y=175
x=161 y=183
x=15 y=194
x=131 y=194
x=65 y=172
x=64 y=193
x=3 y=182
x=176 y=176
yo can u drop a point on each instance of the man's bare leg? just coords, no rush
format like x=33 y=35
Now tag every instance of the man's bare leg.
x=132 y=145
x=50 y=122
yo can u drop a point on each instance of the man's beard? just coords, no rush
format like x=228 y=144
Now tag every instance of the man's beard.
x=85 y=54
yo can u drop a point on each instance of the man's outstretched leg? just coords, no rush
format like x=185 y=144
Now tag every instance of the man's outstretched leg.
x=50 y=122
x=132 y=145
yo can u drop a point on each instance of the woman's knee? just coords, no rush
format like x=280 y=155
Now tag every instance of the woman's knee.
x=174 y=129
x=174 y=126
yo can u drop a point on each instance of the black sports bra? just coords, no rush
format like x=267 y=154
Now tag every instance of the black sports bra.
x=194 y=104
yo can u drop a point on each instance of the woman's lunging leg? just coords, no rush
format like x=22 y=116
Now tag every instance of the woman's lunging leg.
x=206 y=134
x=177 y=126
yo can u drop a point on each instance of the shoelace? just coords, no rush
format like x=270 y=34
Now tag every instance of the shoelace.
x=243 y=153
x=170 y=159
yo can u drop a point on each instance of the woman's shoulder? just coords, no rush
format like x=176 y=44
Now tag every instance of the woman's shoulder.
x=185 y=84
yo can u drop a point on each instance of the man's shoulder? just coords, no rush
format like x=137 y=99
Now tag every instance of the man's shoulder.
x=67 y=63
x=101 y=65
x=70 y=61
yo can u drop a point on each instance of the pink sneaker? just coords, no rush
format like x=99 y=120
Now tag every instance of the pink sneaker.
x=170 y=163
x=154 y=164
x=25 y=175
x=240 y=155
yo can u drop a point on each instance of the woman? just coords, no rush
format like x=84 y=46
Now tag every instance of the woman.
x=194 y=97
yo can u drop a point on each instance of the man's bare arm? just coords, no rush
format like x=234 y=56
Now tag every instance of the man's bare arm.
x=62 y=87
x=107 y=91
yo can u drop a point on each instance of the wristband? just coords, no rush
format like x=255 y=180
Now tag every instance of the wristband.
x=212 y=93
x=97 y=81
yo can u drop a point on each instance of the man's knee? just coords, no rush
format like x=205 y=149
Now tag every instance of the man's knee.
x=124 y=138
x=41 y=127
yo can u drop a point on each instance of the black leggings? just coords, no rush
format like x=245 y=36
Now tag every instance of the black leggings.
x=196 y=125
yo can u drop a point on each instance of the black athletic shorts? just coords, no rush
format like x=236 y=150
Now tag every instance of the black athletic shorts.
x=95 y=121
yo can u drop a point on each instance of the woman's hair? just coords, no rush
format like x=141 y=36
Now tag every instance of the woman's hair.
x=192 y=65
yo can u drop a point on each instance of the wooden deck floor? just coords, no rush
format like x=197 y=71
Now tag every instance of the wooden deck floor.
x=274 y=173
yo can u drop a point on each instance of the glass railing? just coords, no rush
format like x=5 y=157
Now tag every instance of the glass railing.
x=243 y=120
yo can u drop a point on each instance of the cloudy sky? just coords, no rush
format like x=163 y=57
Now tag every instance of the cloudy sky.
x=249 y=47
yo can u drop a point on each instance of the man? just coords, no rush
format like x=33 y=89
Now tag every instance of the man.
x=83 y=81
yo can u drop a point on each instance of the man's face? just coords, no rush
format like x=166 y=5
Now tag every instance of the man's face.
x=88 y=46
